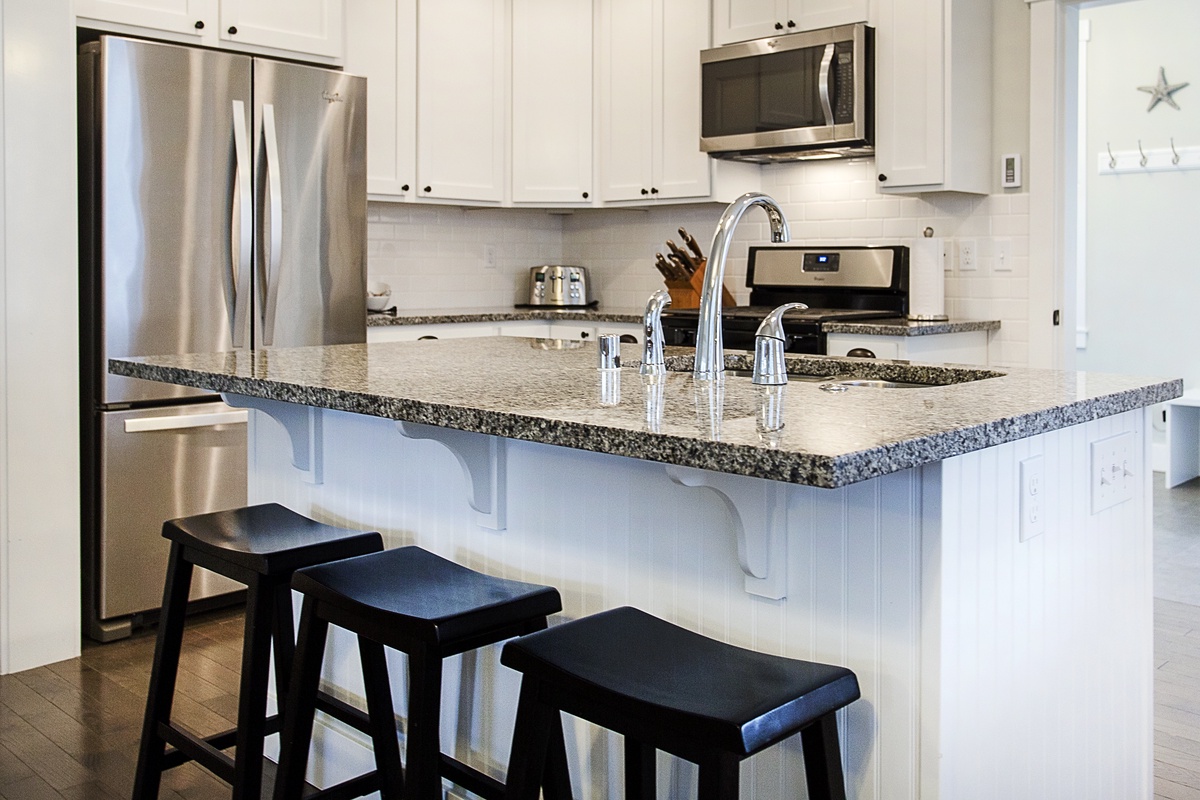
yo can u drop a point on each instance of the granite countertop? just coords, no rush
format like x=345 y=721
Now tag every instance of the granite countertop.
x=513 y=387
x=441 y=316
x=897 y=326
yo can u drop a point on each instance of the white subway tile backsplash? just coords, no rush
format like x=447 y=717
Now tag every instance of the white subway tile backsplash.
x=432 y=256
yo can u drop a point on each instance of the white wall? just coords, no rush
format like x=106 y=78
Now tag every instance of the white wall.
x=1143 y=240
x=39 y=394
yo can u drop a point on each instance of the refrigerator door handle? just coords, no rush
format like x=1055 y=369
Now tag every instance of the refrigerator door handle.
x=275 y=239
x=143 y=424
x=243 y=222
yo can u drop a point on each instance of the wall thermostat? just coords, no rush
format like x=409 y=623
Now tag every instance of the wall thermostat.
x=1010 y=170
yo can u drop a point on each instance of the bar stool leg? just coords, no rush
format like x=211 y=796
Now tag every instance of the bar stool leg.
x=301 y=704
x=163 y=673
x=424 y=750
x=823 y=759
x=283 y=640
x=531 y=736
x=382 y=717
x=719 y=778
x=639 y=770
x=252 y=693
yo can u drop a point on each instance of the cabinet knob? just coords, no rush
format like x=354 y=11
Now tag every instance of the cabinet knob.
x=778 y=26
x=791 y=23
x=585 y=195
x=882 y=177
x=653 y=190
x=404 y=188
x=232 y=30
x=645 y=192
x=199 y=24
x=583 y=334
x=428 y=189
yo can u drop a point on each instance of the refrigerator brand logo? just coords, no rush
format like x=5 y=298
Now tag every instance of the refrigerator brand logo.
x=332 y=97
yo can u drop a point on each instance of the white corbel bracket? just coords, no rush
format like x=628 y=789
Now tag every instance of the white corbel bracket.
x=304 y=426
x=759 y=511
x=484 y=461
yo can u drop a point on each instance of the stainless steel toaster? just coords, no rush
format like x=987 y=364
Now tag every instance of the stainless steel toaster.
x=559 y=286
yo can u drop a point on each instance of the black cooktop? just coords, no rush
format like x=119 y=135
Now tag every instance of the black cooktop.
x=756 y=313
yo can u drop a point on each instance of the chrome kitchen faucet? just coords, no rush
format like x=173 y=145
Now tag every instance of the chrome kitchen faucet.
x=710 y=347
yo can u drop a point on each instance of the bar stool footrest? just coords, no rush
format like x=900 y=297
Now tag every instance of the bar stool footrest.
x=224 y=740
x=343 y=712
x=190 y=746
x=471 y=779
x=346 y=790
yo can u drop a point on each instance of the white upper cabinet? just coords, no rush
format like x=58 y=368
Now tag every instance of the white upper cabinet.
x=381 y=45
x=681 y=169
x=552 y=101
x=933 y=96
x=462 y=80
x=310 y=29
x=300 y=26
x=191 y=18
x=741 y=20
x=628 y=36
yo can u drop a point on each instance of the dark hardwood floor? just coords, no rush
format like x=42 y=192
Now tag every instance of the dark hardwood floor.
x=70 y=730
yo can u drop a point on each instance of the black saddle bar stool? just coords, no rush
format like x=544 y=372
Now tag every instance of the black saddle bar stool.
x=664 y=687
x=260 y=546
x=421 y=604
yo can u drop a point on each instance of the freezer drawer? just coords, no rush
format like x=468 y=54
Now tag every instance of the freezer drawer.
x=158 y=464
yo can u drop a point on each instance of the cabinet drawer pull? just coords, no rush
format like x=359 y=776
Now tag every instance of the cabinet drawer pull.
x=404 y=188
x=232 y=30
x=428 y=189
x=199 y=24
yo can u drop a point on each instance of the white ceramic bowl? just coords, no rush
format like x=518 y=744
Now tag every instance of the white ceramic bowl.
x=378 y=302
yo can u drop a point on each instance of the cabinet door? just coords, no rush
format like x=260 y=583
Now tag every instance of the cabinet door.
x=909 y=98
x=681 y=170
x=176 y=16
x=310 y=27
x=740 y=20
x=807 y=15
x=628 y=43
x=381 y=45
x=552 y=101
x=461 y=94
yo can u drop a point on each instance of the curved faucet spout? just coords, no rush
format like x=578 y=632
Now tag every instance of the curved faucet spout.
x=710 y=346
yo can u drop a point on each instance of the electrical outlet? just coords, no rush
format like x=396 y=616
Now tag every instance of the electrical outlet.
x=966 y=255
x=1033 y=498
x=489 y=256
x=1112 y=471
x=1003 y=255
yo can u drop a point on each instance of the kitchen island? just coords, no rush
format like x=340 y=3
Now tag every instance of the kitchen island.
x=1002 y=638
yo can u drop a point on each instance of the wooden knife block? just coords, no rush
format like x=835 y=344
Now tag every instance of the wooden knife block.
x=686 y=294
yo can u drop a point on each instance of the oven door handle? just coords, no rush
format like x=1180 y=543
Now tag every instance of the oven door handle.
x=823 y=87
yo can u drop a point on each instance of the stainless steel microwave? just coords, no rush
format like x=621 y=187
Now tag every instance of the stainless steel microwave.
x=786 y=98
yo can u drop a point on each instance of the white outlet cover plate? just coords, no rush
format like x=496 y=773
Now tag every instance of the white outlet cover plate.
x=1033 y=497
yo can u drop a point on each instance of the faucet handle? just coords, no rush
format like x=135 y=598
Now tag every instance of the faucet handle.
x=653 y=362
x=769 y=367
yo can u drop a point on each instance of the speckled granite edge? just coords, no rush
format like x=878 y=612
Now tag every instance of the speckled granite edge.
x=514 y=315
x=904 y=327
x=693 y=451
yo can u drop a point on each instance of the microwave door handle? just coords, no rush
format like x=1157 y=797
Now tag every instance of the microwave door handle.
x=243 y=222
x=823 y=84
x=271 y=278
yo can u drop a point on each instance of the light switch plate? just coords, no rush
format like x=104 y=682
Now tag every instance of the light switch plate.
x=1112 y=471
x=1033 y=497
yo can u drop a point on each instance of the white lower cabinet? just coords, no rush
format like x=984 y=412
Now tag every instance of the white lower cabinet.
x=410 y=333
x=966 y=347
x=630 y=333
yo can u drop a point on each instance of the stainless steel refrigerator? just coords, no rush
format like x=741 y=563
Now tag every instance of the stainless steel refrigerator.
x=222 y=207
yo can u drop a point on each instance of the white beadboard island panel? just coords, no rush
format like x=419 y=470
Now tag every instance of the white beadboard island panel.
x=989 y=667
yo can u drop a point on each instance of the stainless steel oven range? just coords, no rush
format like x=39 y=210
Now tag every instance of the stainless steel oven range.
x=837 y=284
